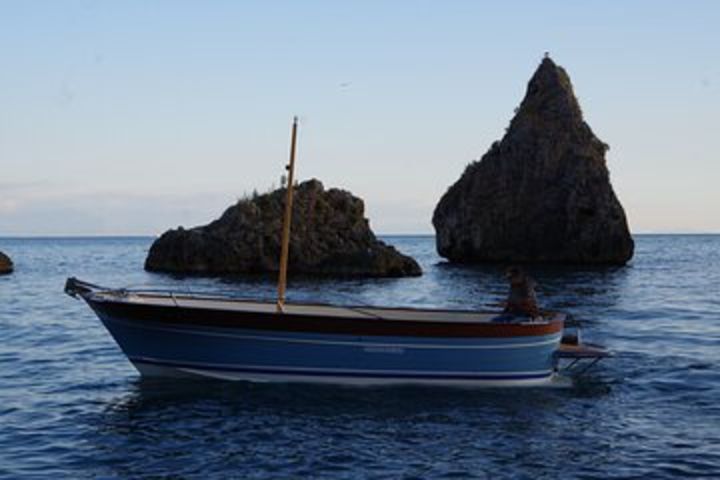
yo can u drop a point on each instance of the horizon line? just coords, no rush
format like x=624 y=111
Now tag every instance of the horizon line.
x=92 y=235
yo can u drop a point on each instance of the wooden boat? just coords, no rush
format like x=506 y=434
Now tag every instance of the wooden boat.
x=172 y=334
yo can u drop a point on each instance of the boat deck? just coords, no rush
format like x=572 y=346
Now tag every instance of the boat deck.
x=315 y=310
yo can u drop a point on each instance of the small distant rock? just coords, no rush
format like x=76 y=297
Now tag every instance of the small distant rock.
x=330 y=236
x=542 y=194
x=6 y=265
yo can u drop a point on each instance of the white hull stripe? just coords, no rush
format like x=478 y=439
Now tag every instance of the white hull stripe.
x=309 y=371
x=265 y=338
x=553 y=381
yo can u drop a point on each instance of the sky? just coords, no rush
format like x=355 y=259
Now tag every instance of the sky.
x=132 y=117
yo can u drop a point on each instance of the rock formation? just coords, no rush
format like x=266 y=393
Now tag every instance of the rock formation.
x=6 y=265
x=541 y=194
x=329 y=236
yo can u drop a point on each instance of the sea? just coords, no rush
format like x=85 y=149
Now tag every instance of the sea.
x=72 y=406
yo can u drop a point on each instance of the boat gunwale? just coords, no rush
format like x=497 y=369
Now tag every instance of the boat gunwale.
x=364 y=324
x=122 y=296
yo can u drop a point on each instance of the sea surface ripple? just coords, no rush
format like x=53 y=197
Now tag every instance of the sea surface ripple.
x=71 y=406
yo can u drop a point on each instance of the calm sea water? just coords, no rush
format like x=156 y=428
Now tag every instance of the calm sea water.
x=71 y=406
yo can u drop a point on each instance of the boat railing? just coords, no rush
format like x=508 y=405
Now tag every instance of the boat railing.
x=80 y=288
x=76 y=287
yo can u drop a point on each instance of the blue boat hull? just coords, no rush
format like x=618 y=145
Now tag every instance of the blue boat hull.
x=165 y=348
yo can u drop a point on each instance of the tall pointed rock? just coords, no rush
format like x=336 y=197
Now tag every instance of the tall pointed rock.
x=542 y=194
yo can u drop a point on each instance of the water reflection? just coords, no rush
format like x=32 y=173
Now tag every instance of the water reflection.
x=443 y=285
x=253 y=423
x=145 y=394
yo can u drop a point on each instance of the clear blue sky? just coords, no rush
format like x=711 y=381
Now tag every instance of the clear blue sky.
x=130 y=117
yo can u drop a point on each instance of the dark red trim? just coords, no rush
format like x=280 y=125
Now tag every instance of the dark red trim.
x=312 y=324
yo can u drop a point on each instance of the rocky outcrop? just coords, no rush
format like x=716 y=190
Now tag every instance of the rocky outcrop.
x=329 y=236
x=541 y=194
x=6 y=265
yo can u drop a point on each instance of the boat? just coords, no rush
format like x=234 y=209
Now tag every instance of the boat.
x=171 y=334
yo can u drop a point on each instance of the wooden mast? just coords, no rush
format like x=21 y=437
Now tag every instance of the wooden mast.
x=285 y=242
